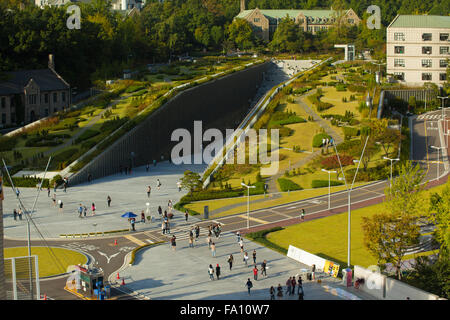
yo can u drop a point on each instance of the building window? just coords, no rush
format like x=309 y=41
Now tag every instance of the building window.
x=63 y=96
x=442 y=77
x=45 y=112
x=426 y=76
x=316 y=29
x=399 y=76
x=443 y=36
x=399 y=36
x=443 y=63
x=426 y=63
x=443 y=50
x=426 y=37
x=3 y=118
x=46 y=97
x=351 y=21
x=55 y=97
x=13 y=117
x=3 y=102
x=399 y=49
x=32 y=98
x=309 y=29
x=399 y=62
x=256 y=20
x=427 y=50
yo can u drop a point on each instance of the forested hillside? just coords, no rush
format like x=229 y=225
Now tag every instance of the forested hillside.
x=108 y=42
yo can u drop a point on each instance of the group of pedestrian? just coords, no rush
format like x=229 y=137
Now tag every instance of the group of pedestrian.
x=17 y=214
x=82 y=210
x=291 y=283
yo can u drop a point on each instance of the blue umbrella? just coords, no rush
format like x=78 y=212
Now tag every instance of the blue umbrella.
x=128 y=215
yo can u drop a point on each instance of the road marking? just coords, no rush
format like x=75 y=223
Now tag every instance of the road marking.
x=281 y=214
x=149 y=241
x=244 y=216
x=135 y=240
x=108 y=258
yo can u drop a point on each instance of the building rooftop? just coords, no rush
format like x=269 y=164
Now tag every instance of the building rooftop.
x=47 y=80
x=279 y=14
x=420 y=21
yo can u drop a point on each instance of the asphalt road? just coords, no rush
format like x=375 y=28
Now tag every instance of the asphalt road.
x=105 y=254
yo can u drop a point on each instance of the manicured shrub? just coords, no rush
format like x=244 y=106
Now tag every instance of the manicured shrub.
x=324 y=183
x=89 y=133
x=288 y=185
x=27 y=182
x=317 y=140
x=350 y=132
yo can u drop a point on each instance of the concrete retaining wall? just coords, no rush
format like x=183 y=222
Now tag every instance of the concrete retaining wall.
x=219 y=99
x=385 y=288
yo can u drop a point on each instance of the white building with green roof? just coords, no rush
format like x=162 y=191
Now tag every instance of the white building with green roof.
x=417 y=49
x=265 y=21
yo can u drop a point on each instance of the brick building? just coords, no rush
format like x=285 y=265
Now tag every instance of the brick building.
x=28 y=95
x=265 y=22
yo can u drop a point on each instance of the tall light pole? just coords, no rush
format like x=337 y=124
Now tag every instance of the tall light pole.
x=392 y=160
x=248 y=202
x=329 y=186
x=379 y=68
x=349 y=195
x=437 y=148
x=443 y=116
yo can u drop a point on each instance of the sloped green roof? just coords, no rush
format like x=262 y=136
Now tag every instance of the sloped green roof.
x=420 y=21
x=279 y=14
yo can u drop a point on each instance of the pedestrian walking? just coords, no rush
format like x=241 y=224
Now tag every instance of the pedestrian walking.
x=241 y=244
x=147 y=167
x=108 y=199
x=168 y=226
x=163 y=227
x=54 y=186
x=160 y=212
x=60 y=205
x=301 y=293
x=17 y=192
x=93 y=209
x=149 y=190
x=191 y=240
x=54 y=199
x=80 y=211
x=238 y=235
x=300 y=283
x=158 y=184
x=179 y=186
x=217 y=271
x=48 y=191
x=263 y=268
x=302 y=215
x=213 y=249
x=230 y=261
x=84 y=211
x=293 y=284
x=245 y=259
x=186 y=214
x=279 y=292
x=197 y=232
x=288 y=286
x=15 y=214
x=20 y=214
x=255 y=272
x=254 y=256
x=313 y=272
x=211 y=272
x=249 y=285
x=272 y=293
x=133 y=221
x=173 y=242
x=142 y=216
x=208 y=241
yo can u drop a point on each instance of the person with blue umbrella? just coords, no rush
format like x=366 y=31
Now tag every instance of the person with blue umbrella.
x=131 y=217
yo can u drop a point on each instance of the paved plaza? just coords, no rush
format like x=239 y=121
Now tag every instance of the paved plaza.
x=162 y=273
x=128 y=193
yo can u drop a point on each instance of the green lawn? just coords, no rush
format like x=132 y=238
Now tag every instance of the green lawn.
x=48 y=265
x=327 y=237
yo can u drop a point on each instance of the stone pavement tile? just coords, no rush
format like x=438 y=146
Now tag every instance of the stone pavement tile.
x=161 y=273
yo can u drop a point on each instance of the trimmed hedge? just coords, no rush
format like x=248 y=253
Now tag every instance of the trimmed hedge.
x=260 y=237
x=288 y=185
x=89 y=133
x=317 y=140
x=324 y=183
x=290 y=120
x=26 y=182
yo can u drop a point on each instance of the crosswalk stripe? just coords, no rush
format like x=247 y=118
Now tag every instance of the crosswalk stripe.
x=244 y=216
x=149 y=241
x=135 y=240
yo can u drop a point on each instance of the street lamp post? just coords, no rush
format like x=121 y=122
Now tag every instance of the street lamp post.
x=443 y=114
x=379 y=68
x=329 y=186
x=248 y=203
x=349 y=195
x=437 y=148
x=396 y=159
